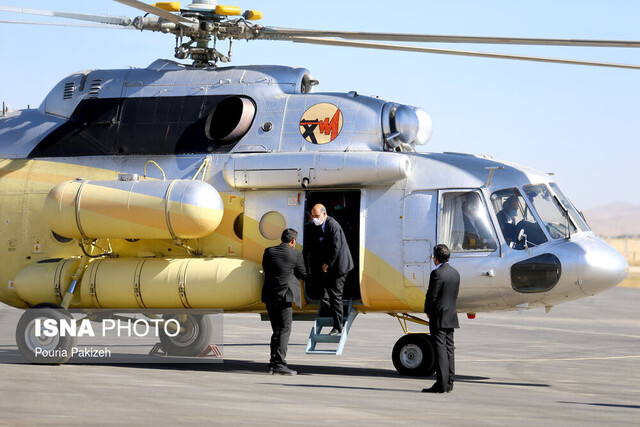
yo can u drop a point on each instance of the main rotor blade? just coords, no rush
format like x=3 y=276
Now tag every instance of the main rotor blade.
x=286 y=33
x=177 y=19
x=104 y=19
x=383 y=46
x=69 y=24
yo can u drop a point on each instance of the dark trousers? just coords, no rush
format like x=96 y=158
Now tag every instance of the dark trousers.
x=331 y=301
x=280 y=315
x=445 y=363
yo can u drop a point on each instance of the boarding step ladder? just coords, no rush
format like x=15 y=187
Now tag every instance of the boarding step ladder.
x=316 y=336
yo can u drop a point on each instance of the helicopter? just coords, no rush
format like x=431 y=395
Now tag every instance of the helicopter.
x=230 y=156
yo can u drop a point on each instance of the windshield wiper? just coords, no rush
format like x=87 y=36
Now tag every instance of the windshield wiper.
x=565 y=213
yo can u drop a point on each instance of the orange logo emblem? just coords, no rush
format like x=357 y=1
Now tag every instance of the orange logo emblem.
x=321 y=123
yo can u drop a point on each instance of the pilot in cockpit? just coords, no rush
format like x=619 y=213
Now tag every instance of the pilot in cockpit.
x=507 y=219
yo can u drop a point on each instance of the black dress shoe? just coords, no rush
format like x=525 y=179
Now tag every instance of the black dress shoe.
x=335 y=331
x=433 y=389
x=284 y=371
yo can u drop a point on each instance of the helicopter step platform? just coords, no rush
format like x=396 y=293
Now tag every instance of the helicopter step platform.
x=316 y=336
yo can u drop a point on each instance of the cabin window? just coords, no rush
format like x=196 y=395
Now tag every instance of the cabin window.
x=238 y=225
x=514 y=217
x=271 y=225
x=465 y=224
x=61 y=239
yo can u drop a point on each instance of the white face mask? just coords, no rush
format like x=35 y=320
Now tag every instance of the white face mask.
x=317 y=221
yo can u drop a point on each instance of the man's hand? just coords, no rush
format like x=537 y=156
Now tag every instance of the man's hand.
x=325 y=267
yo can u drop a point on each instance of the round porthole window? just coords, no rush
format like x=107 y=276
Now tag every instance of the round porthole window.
x=61 y=239
x=237 y=226
x=271 y=225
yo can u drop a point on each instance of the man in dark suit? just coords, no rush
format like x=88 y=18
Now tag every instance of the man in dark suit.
x=440 y=307
x=328 y=261
x=283 y=267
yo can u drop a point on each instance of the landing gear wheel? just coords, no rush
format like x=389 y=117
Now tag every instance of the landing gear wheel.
x=195 y=335
x=413 y=355
x=35 y=345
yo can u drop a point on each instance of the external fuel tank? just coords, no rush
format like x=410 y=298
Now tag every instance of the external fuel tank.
x=184 y=209
x=131 y=283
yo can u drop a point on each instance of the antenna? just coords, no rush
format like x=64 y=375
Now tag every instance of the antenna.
x=491 y=171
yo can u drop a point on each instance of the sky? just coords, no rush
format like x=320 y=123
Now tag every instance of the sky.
x=579 y=122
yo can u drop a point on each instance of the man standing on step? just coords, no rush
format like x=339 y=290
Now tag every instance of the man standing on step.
x=440 y=307
x=328 y=261
x=283 y=268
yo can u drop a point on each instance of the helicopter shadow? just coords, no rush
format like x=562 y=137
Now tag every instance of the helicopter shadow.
x=606 y=405
x=241 y=366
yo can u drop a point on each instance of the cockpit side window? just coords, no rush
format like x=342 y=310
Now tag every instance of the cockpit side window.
x=465 y=224
x=514 y=216
x=550 y=210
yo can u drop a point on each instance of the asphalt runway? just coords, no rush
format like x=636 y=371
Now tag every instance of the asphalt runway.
x=577 y=365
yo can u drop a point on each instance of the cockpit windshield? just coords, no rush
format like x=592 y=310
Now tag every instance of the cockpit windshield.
x=517 y=223
x=551 y=209
x=575 y=215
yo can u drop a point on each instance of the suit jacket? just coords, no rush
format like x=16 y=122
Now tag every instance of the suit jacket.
x=440 y=303
x=332 y=250
x=283 y=267
x=503 y=218
x=508 y=226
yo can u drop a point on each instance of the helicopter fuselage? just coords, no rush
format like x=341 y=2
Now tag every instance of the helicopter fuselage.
x=269 y=147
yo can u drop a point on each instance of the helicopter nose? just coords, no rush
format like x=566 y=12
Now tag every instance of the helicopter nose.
x=601 y=267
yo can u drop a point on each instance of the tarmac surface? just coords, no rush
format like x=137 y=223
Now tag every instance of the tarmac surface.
x=577 y=365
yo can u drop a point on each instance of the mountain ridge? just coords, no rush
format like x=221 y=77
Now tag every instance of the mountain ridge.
x=614 y=219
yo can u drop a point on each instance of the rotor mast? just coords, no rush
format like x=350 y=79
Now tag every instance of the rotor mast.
x=203 y=22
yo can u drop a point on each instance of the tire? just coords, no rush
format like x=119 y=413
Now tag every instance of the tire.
x=413 y=355
x=197 y=334
x=43 y=349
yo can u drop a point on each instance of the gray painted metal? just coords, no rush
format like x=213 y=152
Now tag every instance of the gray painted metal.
x=314 y=170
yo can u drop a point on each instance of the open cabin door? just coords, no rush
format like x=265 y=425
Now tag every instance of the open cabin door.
x=418 y=234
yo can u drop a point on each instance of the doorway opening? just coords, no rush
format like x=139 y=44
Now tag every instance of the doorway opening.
x=344 y=207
